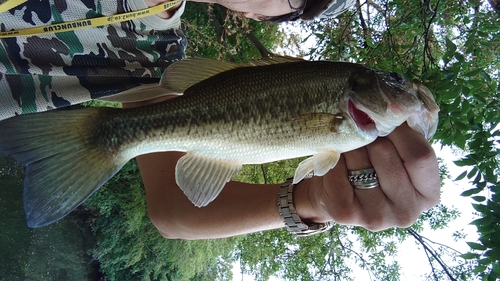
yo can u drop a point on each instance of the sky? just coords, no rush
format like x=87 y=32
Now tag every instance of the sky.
x=413 y=258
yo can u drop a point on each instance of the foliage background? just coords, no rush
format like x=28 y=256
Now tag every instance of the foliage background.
x=452 y=47
x=56 y=252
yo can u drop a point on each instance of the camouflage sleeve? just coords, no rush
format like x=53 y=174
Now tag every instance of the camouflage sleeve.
x=42 y=72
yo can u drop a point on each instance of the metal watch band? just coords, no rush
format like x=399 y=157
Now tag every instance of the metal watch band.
x=289 y=215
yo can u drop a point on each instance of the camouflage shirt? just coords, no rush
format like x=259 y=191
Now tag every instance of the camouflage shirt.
x=46 y=71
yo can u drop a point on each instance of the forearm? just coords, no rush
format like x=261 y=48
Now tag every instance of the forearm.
x=240 y=208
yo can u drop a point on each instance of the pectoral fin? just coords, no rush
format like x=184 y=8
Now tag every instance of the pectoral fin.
x=320 y=163
x=320 y=122
x=202 y=178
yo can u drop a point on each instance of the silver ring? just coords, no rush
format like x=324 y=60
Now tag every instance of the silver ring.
x=364 y=179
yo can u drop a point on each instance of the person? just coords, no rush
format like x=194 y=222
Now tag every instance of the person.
x=51 y=70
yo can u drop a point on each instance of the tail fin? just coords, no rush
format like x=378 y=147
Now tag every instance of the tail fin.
x=63 y=165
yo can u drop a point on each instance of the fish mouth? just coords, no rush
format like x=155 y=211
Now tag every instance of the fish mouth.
x=362 y=120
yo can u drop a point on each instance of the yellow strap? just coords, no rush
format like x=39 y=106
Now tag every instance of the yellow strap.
x=9 y=4
x=93 y=22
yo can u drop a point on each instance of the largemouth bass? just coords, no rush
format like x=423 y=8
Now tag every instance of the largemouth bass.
x=228 y=115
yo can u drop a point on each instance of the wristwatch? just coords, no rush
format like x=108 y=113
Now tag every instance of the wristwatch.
x=289 y=215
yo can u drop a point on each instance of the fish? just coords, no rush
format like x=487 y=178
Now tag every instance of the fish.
x=226 y=115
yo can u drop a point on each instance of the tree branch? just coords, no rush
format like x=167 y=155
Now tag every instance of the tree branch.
x=427 y=30
x=366 y=32
x=356 y=253
x=264 y=173
x=221 y=35
x=428 y=249
x=264 y=52
x=377 y=7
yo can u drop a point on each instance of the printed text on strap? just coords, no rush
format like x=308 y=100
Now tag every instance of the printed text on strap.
x=85 y=23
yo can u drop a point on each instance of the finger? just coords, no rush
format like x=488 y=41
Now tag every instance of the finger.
x=420 y=162
x=375 y=211
x=357 y=159
x=340 y=202
x=402 y=202
x=354 y=206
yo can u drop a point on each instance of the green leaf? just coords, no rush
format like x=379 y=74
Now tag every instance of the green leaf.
x=479 y=222
x=453 y=106
x=460 y=141
x=493 y=276
x=459 y=57
x=480 y=207
x=469 y=256
x=473 y=72
x=449 y=74
x=483 y=34
x=450 y=50
x=484 y=261
x=471 y=191
x=472 y=172
x=479 y=269
x=486 y=76
x=485 y=229
x=469 y=44
x=461 y=176
x=478 y=198
x=476 y=84
x=464 y=162
x=496 y=268
x=477 y=179
x=452 y=93
x=493 y=254
x=476 y=246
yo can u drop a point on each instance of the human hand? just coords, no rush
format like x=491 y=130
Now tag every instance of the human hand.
x=408 y=172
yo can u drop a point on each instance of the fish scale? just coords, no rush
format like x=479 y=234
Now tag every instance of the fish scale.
x=208 y=109
x=228 y=115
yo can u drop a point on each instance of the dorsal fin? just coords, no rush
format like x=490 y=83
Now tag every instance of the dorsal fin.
x=273 y=60
x=185 y=73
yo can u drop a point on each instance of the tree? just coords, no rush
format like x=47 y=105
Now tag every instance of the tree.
x=56 y=252
x=130 y=248
x=216 y=32
x=451 y=47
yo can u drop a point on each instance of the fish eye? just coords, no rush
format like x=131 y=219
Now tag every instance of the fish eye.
x=397 y=77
